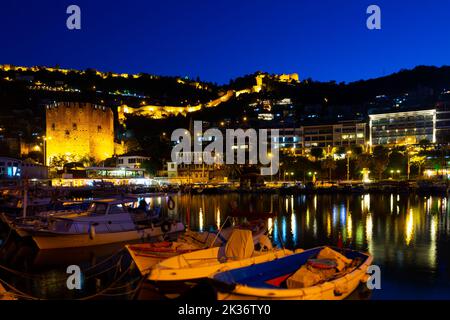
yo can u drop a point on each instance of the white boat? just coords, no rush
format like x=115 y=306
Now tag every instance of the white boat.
x=190 y=267
x=106 y=221
x=297 y=277
x=147 y=255
x=23 y=225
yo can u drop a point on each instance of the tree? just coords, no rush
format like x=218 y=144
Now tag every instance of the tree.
x=397 y=160
x=357 y=150
x=110 y=162
x=151 y=166
x=363 y=161
x=87 y=161
x=317 y=153
x=380 y=160
x=418 y=161
x=328 y=164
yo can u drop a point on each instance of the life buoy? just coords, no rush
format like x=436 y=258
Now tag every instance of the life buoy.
x=166 y=226
x=171 y=203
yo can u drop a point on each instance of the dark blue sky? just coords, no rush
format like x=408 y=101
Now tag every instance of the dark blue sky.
x=219 y=40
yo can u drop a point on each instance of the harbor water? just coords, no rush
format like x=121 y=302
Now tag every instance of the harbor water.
x=408 y=236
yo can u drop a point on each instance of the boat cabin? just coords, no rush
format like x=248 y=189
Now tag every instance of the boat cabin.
x=107 y=207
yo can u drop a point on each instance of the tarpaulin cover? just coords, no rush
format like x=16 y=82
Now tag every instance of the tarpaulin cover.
x=240 y=245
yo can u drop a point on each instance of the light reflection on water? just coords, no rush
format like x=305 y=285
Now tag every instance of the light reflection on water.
x=407 y=235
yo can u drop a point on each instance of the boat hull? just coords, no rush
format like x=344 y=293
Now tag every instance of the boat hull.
x=145 y=262
x=4 y=295
x=204 y=263
x=49 y=240
x=337 y=289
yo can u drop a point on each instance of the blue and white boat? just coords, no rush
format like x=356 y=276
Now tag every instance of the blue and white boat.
x=270 y=280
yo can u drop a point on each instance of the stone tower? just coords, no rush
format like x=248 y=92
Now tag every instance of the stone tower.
x=76 y=130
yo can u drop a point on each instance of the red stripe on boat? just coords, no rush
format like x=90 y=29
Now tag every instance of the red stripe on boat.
x=277 y=281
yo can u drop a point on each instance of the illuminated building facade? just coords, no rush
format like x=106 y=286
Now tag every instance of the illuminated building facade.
x=11 y=168
x=443 y=121
x=402 y=128
x=104 y=176
x=349 y=133
x=76 y=130
x=131 y=161
x=290 y=140
x=340 y=134
x=317 y=136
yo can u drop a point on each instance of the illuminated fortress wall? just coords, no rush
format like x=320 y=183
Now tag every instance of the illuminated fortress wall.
x=77 y=130
x=160 y=112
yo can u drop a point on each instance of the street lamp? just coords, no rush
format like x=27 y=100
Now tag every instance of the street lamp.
x=392 y=174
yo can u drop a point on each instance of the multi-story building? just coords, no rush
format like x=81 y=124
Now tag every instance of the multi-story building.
x=349 y=133
x=402 y=128
x=11 y=168
x=131 y=161
x=76 y=130
x=443 y=119
x=340 y=134
x=290 y=140
x=186 y=169
x=317 y=136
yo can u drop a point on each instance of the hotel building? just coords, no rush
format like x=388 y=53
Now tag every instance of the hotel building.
x=402 y=128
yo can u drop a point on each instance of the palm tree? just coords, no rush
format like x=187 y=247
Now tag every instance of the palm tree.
x=328 y=164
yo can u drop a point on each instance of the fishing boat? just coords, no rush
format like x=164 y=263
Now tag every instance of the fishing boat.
x=146 y=255
x=23 y=224
x=106 y=221
x=302 y=276
x=185 y=270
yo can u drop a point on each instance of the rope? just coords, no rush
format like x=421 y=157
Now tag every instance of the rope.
x=103 y=292
x=219 y=231
x=107 y=288
x=18 y=292
x=62 y=279
x=40 y=277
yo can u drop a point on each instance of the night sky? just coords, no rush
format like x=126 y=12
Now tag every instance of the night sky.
x=219 y=40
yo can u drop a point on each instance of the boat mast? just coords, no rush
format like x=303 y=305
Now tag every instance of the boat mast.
x=25 y=198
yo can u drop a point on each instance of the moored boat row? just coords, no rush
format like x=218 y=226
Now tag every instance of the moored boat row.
x=238 y=270
x=238 y=261
x=105 y=221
